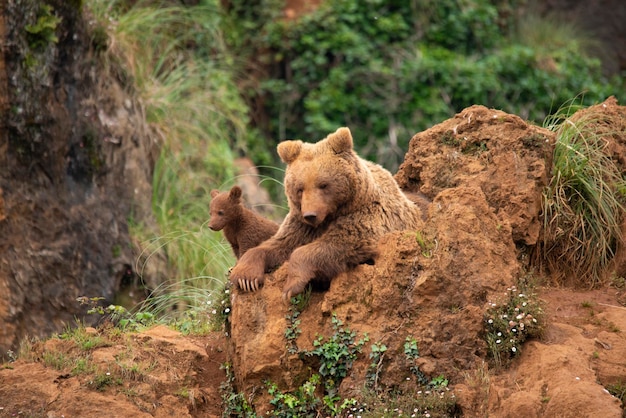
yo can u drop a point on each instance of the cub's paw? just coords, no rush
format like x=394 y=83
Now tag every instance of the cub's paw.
x=246 y=278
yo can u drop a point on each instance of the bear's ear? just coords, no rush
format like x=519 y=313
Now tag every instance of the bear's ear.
x=235 y=193
x=289 y=150
x=340 y=141
x=214 y=192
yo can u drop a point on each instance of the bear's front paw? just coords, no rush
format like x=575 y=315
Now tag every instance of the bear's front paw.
x=246 y=278
x=292 y=288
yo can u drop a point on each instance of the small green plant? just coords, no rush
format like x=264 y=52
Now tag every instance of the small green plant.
x=425 y=245
x=302 y=403
x=116 y=250
x=82 y=366
x=439 y=382
x=56 y=360
x=335 y=357
x=235 y=404
x=411 y=352
x=117 y=314
x=376 y=356
x=337 y=354
x=43 y=31
x=292 y=331
x=509 y=322
x=103 y=380
x=305 y=403
x=84 y=339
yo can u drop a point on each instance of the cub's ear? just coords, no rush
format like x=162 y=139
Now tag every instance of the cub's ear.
x=214 y=192
x=235 y=193
x=340 y=141
x=289 y=150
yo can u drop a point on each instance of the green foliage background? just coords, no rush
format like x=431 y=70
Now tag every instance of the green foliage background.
x=391 y=68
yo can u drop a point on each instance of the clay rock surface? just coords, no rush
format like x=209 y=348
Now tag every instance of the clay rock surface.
x=434 y=292
x=507 y=158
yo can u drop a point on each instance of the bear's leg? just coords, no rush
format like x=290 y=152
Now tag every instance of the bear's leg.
x=323 y=260
x=309 y=262
x=300 y=272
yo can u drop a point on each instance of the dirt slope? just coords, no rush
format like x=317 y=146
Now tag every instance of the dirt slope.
x=157 y=373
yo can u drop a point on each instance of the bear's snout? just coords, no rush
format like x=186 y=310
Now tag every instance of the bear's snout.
x=310 y=218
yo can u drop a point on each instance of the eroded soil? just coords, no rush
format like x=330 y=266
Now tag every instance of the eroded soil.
x=164 y=374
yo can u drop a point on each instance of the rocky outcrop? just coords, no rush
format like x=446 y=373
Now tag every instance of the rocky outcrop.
x=76 y=160
x=507 y=158
x=484 y=171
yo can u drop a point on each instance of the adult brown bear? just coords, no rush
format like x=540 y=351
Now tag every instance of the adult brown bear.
x=339 y=206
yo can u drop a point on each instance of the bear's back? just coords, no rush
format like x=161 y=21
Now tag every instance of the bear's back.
x=401 y=212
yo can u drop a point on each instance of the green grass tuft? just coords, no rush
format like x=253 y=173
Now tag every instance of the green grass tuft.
x=174 y=61
x=583 y=204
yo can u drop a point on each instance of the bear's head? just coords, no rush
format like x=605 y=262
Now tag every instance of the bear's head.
x=321 y=179
x=225 y=208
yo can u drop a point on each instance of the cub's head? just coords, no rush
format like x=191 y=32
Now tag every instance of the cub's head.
x=321 y=178
x=225 y=207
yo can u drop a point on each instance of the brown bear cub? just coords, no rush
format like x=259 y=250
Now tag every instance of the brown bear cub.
x=243 y=228
x=339 y=207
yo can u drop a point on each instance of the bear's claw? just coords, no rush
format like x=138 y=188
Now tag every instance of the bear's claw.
x=249 y=285
x=292 y=288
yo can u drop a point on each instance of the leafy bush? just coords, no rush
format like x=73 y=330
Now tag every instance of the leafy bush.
x=389 y=69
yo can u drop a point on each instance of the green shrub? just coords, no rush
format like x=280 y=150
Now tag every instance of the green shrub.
x=389 y=69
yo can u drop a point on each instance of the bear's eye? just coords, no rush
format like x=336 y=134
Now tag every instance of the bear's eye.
x=299 y=191
x=322 y=186
x=220 y=212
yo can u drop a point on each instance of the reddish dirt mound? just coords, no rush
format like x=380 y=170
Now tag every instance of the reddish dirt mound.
x=566 y=373
x=485 y=171
x=158 y=373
